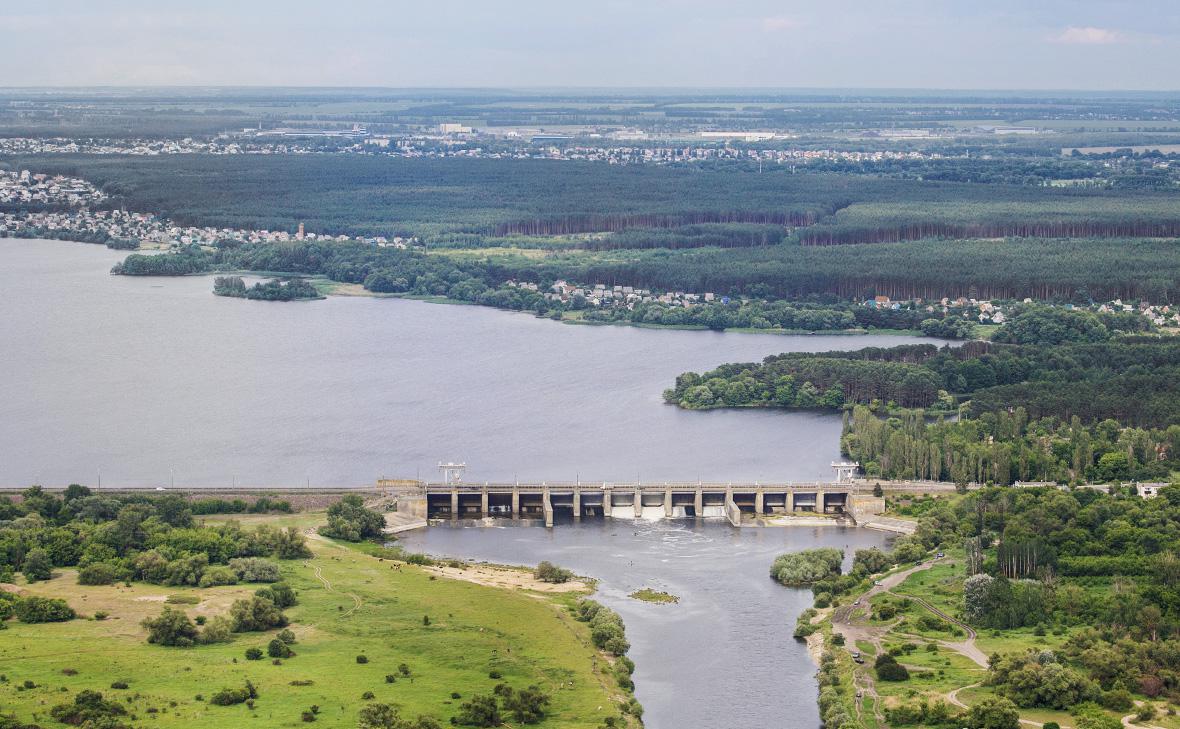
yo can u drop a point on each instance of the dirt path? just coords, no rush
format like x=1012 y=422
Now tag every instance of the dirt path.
x=842 y=623
x=965 y=648
x=1129 y=721
x=319 y=575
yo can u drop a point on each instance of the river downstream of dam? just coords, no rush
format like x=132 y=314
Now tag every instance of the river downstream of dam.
x=724 y=655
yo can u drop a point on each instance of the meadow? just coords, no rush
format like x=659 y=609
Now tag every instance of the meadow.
x=435 y=636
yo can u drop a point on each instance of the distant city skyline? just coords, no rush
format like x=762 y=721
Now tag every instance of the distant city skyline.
x=906 y=44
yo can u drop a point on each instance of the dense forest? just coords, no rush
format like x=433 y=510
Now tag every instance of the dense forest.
x=1065 y=364
x=368 y=195
x=1067 y=270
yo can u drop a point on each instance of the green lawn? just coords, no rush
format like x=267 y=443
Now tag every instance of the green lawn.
x=528 y=637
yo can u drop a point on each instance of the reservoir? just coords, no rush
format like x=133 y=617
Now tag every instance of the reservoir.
x=156 y=381
x=724 y=656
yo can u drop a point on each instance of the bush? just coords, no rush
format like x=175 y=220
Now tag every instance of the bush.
x=119 y=685
x=526 y=706
x=256 y=614
x=43 y=610
x=286 y=636
x=101 y=615
x=215 y=576
x=172 y=628
x=229 y=697
x=255 y=569
x=549 y=572
x=37 y=565
x=807 y=566
x=100 y=573
x=253 y=654
x=278 y=649
x=482 y=711
x=390 y=678
x=888 y=669
x=993 y=713
x=362 y=658
x=280 y=593
x=90 y=709
x=1117 y=700
x=217 y=630
x=348 y=519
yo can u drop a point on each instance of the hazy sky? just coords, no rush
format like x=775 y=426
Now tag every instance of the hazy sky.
x=997 y=44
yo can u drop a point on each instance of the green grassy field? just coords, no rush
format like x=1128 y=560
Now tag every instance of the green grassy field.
x=350 y=604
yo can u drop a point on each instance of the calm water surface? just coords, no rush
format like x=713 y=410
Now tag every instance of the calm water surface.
x=721 y=657
x=150 y=381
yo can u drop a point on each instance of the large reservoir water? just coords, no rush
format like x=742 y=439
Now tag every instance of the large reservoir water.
x=155 y=381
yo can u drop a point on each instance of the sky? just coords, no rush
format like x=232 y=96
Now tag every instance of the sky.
x=947 y=44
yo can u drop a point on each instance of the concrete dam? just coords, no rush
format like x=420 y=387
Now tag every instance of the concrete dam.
x=552 y=502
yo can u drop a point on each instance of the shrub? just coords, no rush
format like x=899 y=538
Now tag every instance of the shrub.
x=280 y=593
x=549 y=572
x=384 y=716
x=101 y=615
x=1117 y=700
x=215 y=576
x=172 y=628
x=993 y=713
x=480 y=711
x=368 y=696
x=307 y=716
x=807 y=566
x=362 y=658
x=119 y=685
x=278 y=649
x=43 y=610
x=348 y=519
x=229 y=697
x=286 y=636
x=390 y=678
x=200 y=620
x=253 y=654
x=256 y=614
x=217 y=630
x=37 y=565
x=255 y=569
x=100 y=573
x=90 y=709
x=526 y=706
x=888 y=669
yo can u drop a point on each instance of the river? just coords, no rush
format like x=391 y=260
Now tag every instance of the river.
x=724 y=655
x=155 y=381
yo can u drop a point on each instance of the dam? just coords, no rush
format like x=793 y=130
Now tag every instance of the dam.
x=553 y=502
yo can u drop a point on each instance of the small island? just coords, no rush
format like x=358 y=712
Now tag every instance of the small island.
x=649 y=595
x=274 y=290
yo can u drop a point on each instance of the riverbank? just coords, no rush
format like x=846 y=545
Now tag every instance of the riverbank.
x=455 y=637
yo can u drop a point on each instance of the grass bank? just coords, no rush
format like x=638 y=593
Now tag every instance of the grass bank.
x=350 y=604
